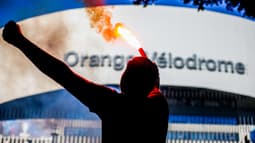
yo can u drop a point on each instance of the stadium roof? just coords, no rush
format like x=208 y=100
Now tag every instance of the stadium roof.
x=23 y=9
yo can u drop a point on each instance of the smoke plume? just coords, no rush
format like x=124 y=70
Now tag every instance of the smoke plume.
x=100 y=18
x=49 y=33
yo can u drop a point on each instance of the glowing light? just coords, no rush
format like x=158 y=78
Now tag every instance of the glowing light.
x=24 y=132
x=126 y=34
x=25 y=127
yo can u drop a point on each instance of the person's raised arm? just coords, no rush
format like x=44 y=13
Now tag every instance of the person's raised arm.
x=81 y=88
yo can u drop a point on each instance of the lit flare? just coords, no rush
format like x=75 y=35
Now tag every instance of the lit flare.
x=121 y=31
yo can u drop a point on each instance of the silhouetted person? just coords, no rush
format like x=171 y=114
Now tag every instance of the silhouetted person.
x=137 y=115
x=246 y=140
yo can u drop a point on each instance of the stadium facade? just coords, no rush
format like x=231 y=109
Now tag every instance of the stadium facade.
x=196 y=115
x=205 y=61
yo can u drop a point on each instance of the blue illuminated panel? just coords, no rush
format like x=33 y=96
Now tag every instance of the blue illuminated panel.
x=202 y=119
x=176 y=135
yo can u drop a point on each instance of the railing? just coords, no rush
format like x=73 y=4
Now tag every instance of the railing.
x=57 y=139
x=85 y=139
x=177 y=133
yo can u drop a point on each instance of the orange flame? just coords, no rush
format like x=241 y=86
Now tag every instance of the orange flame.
x=100 y=19
x=121 y=31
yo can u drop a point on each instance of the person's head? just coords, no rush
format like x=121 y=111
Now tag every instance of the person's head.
x=140 y=77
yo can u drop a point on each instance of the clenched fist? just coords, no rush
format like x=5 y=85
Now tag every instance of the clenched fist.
x=12 y=33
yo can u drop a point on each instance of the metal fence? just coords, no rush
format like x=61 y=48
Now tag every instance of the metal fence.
x=57 y=139
x=85 y=139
